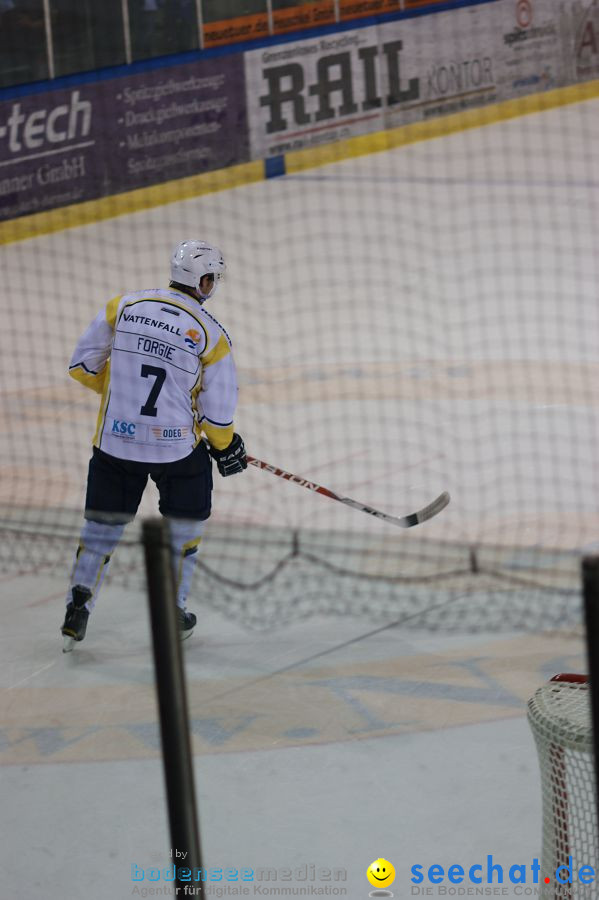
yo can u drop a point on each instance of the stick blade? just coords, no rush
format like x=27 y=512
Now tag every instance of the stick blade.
x=427 y=512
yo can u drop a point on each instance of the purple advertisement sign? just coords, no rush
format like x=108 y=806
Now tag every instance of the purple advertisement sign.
x=94 y=140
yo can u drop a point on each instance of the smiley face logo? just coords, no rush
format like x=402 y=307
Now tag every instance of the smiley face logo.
x=380 y=873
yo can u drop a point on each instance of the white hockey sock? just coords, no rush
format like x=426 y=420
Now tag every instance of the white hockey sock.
x=186 y=535
x=97 y=541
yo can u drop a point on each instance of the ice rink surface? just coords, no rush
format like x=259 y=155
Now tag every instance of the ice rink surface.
x=409 y=322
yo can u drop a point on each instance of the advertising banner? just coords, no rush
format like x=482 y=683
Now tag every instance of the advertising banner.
x=249 y=27
x=94 y=140
x=529 y=50
x=324 y=89
x=97 y=139
x=353 y=9
x=547 y=44
x=170 y=123
x=48 y=152
x=304 y=15
x=337 y=86
x=584 y=41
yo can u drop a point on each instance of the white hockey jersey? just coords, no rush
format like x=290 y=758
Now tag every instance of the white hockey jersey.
x=165 y=370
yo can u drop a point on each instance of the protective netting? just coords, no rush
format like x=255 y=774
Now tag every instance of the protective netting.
x=265 y=577
x=405 y=322
x=560 y=717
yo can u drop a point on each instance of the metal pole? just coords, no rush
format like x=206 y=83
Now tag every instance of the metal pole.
x=590 y=580
x=200 y=20
x=172 y=702
x=49 y=39
x=126 y=31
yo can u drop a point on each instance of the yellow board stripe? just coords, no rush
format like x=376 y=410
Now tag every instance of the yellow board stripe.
x=299 y=160
x=93 y=211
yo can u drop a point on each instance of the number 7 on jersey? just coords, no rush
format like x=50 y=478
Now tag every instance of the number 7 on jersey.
x=149 y=408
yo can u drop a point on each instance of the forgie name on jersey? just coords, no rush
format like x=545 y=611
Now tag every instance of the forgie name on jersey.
x=153 y=323
x=155 y=348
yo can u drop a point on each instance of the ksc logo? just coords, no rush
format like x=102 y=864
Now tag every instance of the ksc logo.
x=124 y=428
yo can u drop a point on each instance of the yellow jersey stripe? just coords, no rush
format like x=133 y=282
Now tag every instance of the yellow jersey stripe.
x=219 y=436
x=111 y=310
x=103 y=405
x=93 y=380
x=220 y=350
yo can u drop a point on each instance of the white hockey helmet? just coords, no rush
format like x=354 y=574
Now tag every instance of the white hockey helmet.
x=191 y=260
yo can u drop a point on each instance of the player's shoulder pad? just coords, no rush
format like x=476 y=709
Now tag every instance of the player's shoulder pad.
x=148 y=293
x=218 y=325
x=112 y=309
x=131 y=297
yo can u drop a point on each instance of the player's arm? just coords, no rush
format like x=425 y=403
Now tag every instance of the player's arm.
x=218 y=401
x=88 y=363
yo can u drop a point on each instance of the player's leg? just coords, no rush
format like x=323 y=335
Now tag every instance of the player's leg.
x=114 y=490
x=186 y=535
x=185 y=489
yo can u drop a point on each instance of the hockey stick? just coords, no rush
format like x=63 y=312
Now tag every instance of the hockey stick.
x=427 y=512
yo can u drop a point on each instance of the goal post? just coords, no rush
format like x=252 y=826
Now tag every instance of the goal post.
x=590 y=582
x=564 y=718
x=559 y=716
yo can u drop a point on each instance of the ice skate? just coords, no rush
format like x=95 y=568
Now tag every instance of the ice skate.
x=75 y=620
x=187 y=621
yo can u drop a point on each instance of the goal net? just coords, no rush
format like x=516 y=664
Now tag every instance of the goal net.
x=560 y=717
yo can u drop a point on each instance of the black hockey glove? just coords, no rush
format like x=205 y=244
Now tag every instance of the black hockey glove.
x=232 y=459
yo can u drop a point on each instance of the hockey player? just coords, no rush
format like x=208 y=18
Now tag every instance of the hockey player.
x=165 y=372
